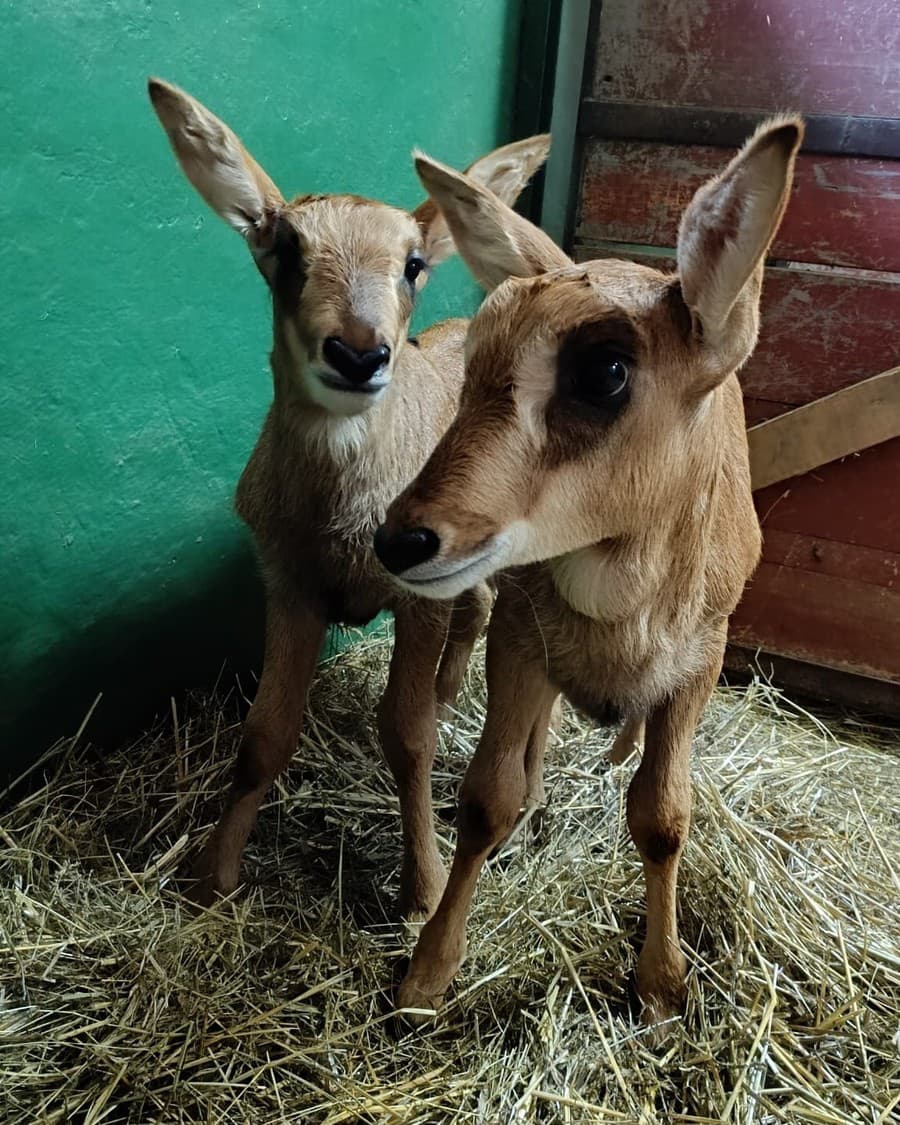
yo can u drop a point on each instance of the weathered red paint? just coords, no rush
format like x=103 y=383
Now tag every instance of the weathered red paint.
x=829 y=556
x=820 y=332
x=822 y=618
x=853 y=501
x=815 y=56
x=635 y=192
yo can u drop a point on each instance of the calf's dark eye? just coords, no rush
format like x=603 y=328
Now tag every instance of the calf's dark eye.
x=601 y=375
x=595 y=368
x=414 y=267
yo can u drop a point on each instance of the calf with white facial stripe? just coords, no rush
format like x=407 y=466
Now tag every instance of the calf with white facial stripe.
x=357 y=409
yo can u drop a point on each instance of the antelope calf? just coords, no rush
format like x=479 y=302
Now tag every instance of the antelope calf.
x=599 y=459
x=357 y=410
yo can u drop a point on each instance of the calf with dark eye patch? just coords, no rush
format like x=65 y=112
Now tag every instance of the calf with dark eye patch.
x=598 y=466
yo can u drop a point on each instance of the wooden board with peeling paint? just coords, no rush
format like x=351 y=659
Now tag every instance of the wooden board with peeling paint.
x=828 y=588
x=844 y=211
x=815 y=56
x=832 y=620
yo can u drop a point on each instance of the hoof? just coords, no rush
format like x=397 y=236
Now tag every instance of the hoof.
x=662 y=1003
x=200 y=894
x=208 y=885
x=415 y=1006
x=661 y=1018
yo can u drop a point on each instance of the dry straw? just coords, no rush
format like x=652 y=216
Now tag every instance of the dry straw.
x=118 y=1004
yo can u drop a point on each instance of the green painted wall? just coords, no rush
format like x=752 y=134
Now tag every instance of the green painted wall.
x=135 y=329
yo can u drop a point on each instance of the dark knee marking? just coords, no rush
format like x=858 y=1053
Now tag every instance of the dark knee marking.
x=483 y=825
x=409 y=733
x=473 y=820
x=260 y=759
x=252 y=767
x=661 y=844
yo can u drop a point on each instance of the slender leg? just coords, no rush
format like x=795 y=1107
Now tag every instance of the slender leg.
x=294 y=635
x=629 y=740
x=535 y=794
x=407 y=720
x=535 y=748
x=492 y=794
x=467 y=619
x=659 y=814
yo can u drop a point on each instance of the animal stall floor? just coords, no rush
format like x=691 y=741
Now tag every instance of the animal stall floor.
x=119 y=1004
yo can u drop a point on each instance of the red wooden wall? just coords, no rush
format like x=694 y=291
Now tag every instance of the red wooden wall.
x=671 y=90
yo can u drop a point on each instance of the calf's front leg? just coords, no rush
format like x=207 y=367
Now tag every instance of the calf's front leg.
x=659 y=815
x=520 y=701
x=407 y=722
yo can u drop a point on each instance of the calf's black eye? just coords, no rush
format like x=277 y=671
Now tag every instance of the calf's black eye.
x=414 y=267
x=601 y=376
x=595 y=367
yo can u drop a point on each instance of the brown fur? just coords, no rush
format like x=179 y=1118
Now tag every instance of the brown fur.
x=328 y=462
x=624 y=522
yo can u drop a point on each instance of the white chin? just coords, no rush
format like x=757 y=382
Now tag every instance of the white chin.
x=436 y=580
x=341 y=402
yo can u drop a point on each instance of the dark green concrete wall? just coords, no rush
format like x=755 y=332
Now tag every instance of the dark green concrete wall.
x=135 y=329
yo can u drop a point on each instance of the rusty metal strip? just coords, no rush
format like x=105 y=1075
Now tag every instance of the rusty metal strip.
x=836 y=134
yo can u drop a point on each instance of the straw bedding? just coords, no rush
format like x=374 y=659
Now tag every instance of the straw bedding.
x=119 y=1004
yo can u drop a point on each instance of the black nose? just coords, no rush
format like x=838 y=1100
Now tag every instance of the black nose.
x=355 y=366
x=405 y=549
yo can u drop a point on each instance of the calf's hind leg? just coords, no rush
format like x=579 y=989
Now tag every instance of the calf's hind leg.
x=294 y=635
x=467 y=620
x=628 y=741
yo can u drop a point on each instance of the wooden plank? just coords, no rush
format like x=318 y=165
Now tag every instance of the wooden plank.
x=821 y=330
x=843 y=211
x=825 y=556
x=762 y=409
x=853 y=501
x=816 y=56
x=822 y=618
x=842 y=423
